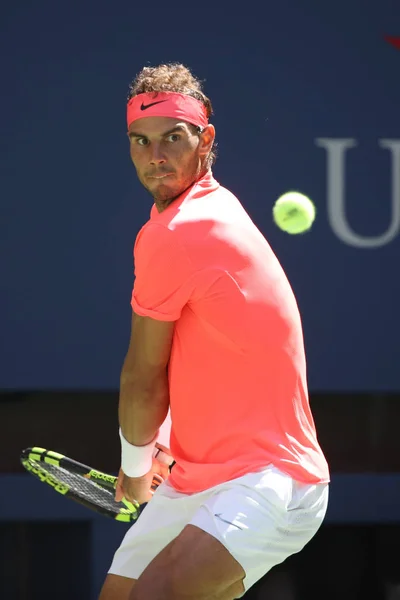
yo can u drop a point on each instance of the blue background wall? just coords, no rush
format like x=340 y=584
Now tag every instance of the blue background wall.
x=281 y=77
x=291 y=83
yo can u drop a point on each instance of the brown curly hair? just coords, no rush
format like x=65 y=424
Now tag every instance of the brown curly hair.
x=173 y=77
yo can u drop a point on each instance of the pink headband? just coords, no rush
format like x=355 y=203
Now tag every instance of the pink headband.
x=167 y=104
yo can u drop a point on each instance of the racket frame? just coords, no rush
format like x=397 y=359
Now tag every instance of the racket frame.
x=31 y=459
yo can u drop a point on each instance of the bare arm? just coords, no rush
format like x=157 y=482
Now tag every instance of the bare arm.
x=144 y=393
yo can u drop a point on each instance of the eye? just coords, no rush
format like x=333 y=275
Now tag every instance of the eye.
x=142 y=141
x=174 y=137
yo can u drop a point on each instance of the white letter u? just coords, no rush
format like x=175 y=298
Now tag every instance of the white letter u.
x=336 y=197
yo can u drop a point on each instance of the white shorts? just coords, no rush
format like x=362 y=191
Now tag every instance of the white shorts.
x=261 y=518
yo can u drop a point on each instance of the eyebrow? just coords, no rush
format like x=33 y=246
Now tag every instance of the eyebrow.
x=140 y=135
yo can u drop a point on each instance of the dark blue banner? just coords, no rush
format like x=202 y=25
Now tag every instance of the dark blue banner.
x=306 y=96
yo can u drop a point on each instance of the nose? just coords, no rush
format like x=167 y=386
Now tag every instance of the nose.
x=157 y=157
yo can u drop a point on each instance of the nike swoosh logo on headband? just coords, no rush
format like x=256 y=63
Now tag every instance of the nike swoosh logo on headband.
x=146 y=106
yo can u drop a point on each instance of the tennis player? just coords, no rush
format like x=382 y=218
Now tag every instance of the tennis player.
x=216 y=339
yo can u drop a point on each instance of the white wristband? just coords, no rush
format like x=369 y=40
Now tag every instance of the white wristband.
x=136 y=460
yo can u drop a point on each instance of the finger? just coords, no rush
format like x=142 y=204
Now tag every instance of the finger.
x=161 y=469
x=131 y=499
x=138 y=500
x=118 y=485
x=119 y=492
x=165 y=472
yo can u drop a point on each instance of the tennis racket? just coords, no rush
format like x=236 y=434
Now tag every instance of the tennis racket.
x=94 y=489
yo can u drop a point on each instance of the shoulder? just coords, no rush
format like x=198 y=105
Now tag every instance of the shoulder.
x=155 y=236
x=159 y=249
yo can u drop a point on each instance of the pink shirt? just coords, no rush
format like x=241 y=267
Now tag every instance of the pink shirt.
x=237 y=373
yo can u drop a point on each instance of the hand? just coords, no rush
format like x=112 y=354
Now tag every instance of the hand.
x=138 y=489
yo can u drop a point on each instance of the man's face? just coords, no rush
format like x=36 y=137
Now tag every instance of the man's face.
x=168 y=155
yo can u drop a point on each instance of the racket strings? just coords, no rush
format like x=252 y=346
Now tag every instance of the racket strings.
x=81 y=487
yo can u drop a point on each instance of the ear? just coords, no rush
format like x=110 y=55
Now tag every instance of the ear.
x=207 y=138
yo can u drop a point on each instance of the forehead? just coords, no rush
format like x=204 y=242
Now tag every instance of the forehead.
x=156 y=126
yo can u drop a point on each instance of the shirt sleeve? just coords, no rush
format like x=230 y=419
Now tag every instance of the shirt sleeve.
x=163 y=274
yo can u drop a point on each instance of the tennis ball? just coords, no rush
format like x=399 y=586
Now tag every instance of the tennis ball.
x=293 y=212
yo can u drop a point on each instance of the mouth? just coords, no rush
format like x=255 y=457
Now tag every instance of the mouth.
x=161 y=176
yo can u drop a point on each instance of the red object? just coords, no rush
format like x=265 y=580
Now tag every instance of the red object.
x=167 y=104
x=394 y=41
x=237 y=375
